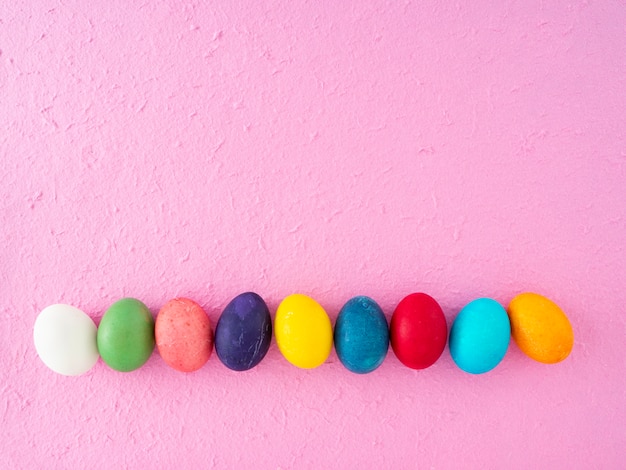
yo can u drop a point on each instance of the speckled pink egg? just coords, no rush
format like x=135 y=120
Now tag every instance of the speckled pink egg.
x=183 y=335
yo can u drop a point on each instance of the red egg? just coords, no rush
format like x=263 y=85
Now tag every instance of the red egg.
x=418 y=331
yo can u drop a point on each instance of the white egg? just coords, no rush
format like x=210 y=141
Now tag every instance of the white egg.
x=65 y=339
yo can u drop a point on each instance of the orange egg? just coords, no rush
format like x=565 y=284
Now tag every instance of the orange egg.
x=540 y=328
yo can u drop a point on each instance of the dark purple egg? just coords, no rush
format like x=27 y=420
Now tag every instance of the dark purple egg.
x=244 y=332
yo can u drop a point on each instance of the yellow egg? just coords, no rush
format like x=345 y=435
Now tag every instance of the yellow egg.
x=540 y=328
x=303 y=331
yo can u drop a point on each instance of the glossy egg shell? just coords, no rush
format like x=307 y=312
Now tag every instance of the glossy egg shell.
x=304 y=333
x=480 y=335
x=418 y=331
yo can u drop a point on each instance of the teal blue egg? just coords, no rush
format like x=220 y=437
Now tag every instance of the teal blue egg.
x=480 y=336
x=361 y=335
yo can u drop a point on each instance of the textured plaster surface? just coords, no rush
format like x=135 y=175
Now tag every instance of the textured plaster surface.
x=177 y=148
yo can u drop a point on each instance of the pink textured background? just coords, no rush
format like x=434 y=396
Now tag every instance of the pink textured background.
x=380 y=148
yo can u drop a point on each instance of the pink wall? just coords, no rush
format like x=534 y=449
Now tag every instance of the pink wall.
x=374 y=148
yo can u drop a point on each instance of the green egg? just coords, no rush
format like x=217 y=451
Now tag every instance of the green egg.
x=126 y=335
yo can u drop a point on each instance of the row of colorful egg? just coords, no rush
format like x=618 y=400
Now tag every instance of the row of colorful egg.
x=68 y=341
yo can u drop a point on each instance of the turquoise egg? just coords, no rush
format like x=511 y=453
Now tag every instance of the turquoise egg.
x=361 y=335
x=480 y=336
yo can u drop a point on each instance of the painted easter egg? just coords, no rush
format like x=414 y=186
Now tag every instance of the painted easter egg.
x=65 y=339
x=304 y=333
x=244 y=332
x=361 y=335
x=126 y=335
x=480 y=335
x=540 y=328
x=183 y=335
x=418 y=331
